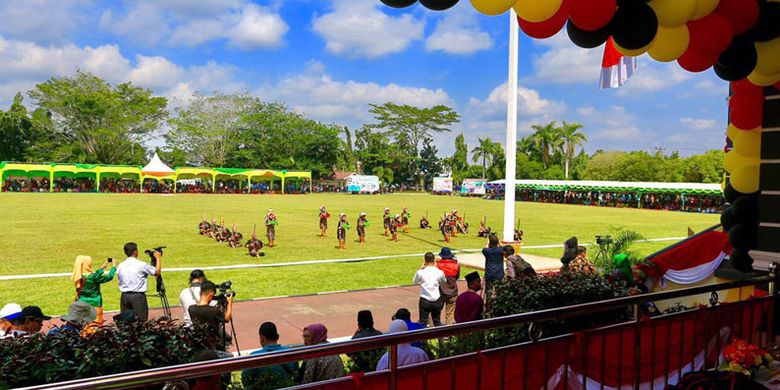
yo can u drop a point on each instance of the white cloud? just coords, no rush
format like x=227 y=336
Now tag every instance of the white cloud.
x=317 y=94
x=459 y=33
x=652 y=77
x=359 y=29
x=613 y=128
x=41 y=20
x=565 y=63
x=698 y=124
x=240 y=24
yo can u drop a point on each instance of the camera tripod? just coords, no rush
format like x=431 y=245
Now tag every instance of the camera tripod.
x=163 y=298
x=603 y=253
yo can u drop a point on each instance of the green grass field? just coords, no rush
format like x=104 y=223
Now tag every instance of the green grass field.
x=43 y=233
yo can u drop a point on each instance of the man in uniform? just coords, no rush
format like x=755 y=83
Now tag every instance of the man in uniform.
x=270 y=227
x=362 y=223
x=405 y=219
x=341 y=231
x=387 y=220
x=324 y=215
x=254 y=245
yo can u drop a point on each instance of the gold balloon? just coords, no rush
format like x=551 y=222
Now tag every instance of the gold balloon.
x=492 y=7
x=732 y=131
x=768 y=57
x=635 y=52
x=669 y=43
x=704 y=8
x=748 y=143
x=745 y=179
x=536 y=11
x=733 y=161
x=763 y=80
x=673 y=12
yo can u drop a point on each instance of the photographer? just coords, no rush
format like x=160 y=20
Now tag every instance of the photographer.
x=214 y=317
x=132 y=274
x=191 y=295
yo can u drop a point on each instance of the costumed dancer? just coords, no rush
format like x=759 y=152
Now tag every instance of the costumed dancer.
x=341 y=231
x=386 y=220
x=462 y=225
x=444 y=227
x=362 y=223
x=212 y=232
x=204 y=226
x=254 y=245
x=395 y=223
x=453 y=221
x=270 y=227
x=405 y=219
x=424 y=223
x=235 y=238
x=484 y=230
x=518 y=236
x=324 y=215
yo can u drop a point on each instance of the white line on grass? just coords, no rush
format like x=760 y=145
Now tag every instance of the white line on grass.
x=310 y=262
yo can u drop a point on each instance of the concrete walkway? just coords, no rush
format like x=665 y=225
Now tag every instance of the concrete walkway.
x=540 y=263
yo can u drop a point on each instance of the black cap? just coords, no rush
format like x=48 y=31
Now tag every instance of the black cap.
x=365 y=319
x=32 y=313
x=195 y=274
x=403 y=314
x=472 y=277
x=268 y=330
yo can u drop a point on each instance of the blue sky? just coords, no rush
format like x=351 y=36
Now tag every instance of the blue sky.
x=330 y=58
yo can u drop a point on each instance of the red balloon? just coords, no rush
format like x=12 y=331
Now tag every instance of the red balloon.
x=590 y=15
x=549 y=27
x=710 y=35
x=745 y=87
x=746 y=111
x=696 y=62
x=742 y=14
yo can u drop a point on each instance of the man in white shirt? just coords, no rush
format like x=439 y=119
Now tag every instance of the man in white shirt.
x=132 y=274
x=191 y=295
x=429 y=277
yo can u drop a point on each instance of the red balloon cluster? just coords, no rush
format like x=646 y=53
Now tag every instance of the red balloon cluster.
x=549 y=27
x=591 y=15
x=746 y=105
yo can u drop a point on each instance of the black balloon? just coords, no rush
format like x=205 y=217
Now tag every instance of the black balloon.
x=738 y=60
x=634 y=25
x=727 y=219
x=730 y=193
x=587 y=39
x=767 y=27
x=745 y=209
x=741 y=261
x=398 y=3
x=438 y=5
x=744 y=236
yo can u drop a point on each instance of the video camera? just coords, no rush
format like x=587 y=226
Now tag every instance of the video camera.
x=604 y=240
x=224 y=291
x=150 y=253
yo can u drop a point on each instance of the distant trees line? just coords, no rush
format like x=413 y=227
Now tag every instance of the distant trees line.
x=85 y=119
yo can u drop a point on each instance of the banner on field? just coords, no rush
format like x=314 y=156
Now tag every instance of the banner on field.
x=473 y=187
x=442 y=184
x=362 y=184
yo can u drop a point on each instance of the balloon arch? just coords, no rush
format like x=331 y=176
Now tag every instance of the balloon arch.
x=739 y=39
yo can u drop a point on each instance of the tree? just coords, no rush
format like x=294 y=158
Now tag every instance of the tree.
x=107 y=124
x=410 y=126
x=385 y=174
x=460 y=159
x=547 y=140
x=603 y=165
x=209 y=127
x=704 y=168
x=484 y=151
x=16 y=130
x=573 y=139
x=430 y=164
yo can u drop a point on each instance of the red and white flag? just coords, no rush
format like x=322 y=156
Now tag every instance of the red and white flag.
x=615 y=68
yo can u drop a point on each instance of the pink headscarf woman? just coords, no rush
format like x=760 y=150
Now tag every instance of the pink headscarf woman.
x=321 y=368
x=315 y=334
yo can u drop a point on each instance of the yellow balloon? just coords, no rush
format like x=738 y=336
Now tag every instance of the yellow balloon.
x=493 y=7
x=704 y=8
x=536 y=11
x=748 y=143
x=635 y=52
x=733 y=161
x=763 y=80
x=732 y=131
x=669 y=43
x=673 y=12
x=745 y=179
x=768 y=57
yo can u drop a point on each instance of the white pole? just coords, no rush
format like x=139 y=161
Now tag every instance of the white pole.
x=511 y=131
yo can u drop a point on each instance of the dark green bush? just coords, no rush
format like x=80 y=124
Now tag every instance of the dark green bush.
x=109 y=350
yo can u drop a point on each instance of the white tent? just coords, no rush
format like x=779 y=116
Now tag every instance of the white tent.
x=156 y=167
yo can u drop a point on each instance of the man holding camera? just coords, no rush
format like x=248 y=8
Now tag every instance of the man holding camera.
x=214 y=317
x=132 y=274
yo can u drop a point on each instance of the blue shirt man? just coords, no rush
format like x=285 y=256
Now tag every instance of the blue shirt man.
x=269 y=377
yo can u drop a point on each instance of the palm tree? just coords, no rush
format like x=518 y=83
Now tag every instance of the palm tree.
x=573 y=138
x=484 y=151
x=547 y=139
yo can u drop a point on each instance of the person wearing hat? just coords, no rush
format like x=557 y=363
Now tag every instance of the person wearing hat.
x=270 y=227
x=362 y=223
x=429 y=277
x=405 y=219
x=29 y=322
x=449 y=291
x=88 y=282
x=9 y=312
x=341 y=231
x=569 y=252
x=469 y=305
x=324 y=215
x=278 y=376
x=80 y=314
x=395 y=223
x=387 y=221
x=366 y=360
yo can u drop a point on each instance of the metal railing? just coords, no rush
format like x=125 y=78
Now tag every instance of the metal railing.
x=216 y=367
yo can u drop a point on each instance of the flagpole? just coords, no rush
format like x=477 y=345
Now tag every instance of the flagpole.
x=511 y=130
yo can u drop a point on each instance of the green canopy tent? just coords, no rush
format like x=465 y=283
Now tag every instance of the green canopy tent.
x=9 y=169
